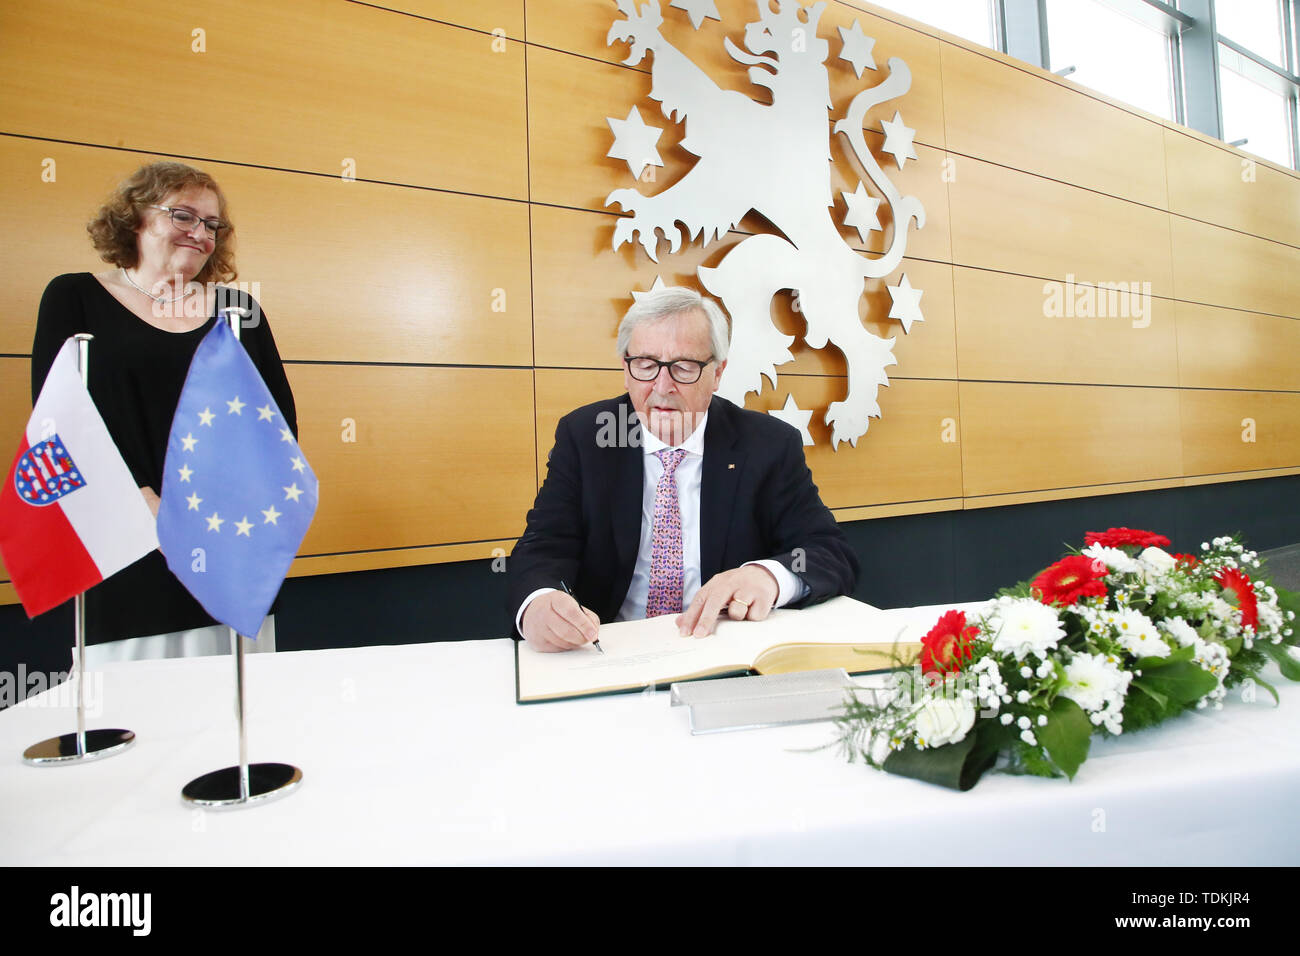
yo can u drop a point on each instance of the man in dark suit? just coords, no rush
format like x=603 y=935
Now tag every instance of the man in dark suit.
x=672 y=500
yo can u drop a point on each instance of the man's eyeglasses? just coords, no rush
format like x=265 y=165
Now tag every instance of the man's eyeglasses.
x=643 y=368
x=184 y=220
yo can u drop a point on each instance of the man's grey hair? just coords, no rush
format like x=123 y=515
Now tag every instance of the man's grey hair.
x=656 y=306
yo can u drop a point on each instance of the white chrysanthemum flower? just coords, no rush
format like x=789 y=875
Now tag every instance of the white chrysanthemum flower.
x=1113 y=558
x=1023 y=626
x=1180 y=631
x=1138 y=634
x=1095 y=683
x=941 y=720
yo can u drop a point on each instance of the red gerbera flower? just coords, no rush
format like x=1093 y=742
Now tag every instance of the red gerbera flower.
x=1118 y=537
x=1187 y=561
x=948 y=644
x=1070 y=579
x=1238 y=584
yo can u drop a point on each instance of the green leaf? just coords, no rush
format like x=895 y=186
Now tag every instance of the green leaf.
x=1183 y=682
x=1178 y=656
x=1161 y=700
x=1066 y=735
x=1288 y=601
x=958 y=766
x=1233 y=646
x=1267 y=686
x=1287 y=664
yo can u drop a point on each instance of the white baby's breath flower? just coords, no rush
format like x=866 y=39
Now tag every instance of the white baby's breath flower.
x=1028 y=737
x=1180 y=631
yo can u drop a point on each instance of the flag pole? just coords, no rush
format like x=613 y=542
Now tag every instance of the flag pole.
x=83 y=745
x=244 y=785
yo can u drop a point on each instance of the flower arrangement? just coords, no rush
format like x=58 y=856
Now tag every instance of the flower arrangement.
x=1120 y=636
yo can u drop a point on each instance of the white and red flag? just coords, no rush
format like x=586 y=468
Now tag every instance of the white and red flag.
x=70 y=512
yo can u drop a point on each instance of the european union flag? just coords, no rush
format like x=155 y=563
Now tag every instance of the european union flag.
x=237 y=495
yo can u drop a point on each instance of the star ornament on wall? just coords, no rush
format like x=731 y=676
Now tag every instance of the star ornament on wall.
x=638 y=295
x=906 y=303
x=898 y=139
x=635 y=142
x=862 y=211
x=698 y=10
x=856 y=48
x=794 y=416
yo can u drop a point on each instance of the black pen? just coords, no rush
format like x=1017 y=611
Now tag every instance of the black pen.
x=596 y=642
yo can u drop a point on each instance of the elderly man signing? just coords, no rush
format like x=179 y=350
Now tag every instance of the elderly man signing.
x=670 y=500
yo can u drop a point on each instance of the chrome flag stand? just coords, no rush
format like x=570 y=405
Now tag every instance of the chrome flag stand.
x=245 y=785
x=84 y=744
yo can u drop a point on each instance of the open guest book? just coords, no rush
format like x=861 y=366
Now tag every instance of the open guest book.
x=841 y=632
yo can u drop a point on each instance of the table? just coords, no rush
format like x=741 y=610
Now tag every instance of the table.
x=418 y=754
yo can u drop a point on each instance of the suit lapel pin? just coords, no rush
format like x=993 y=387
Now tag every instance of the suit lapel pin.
x=731 y=466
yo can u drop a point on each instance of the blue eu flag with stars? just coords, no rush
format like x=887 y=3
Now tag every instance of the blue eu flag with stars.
x=238 y=494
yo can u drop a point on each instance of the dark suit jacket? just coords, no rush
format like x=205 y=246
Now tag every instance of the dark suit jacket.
x=757 y=500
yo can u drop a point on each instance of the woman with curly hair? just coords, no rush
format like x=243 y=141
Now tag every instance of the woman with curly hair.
x=168 y=234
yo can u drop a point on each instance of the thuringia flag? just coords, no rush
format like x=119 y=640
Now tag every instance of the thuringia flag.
x=70 y=512
x=238 y=494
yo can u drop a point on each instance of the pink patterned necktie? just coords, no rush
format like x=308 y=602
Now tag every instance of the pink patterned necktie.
x=665 y=595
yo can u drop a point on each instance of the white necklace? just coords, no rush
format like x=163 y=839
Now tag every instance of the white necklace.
x=157 y=298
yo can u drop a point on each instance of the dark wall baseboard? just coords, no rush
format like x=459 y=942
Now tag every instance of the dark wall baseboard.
x=906 y=561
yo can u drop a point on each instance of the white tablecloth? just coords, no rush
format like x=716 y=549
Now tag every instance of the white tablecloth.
x=418 y=754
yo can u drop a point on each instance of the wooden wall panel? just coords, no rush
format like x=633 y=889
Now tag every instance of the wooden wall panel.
x=15 y=409
x=1020 y=329
x=44 y=223
x=1239 y=431
x=1223 y=348
x=441 y=454
x=1216 y=184
x=354 y=270
x=1015 y=118
x=582 y=289
x=486 y=15
x=300 y=86
x=1033 y=437
x=1014 y=222
x=558 y=392
x=1218 y=266
x=912 y=453
x=582 y=26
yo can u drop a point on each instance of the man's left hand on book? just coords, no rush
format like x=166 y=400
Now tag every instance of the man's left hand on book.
x=746 y=593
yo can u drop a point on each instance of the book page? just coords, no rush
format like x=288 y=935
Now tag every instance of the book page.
x=642 y=653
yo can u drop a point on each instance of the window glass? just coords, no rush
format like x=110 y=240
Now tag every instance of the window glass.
x=1253 y=113
x=1111 y=53
x=1255 y=24
x=970 y=19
